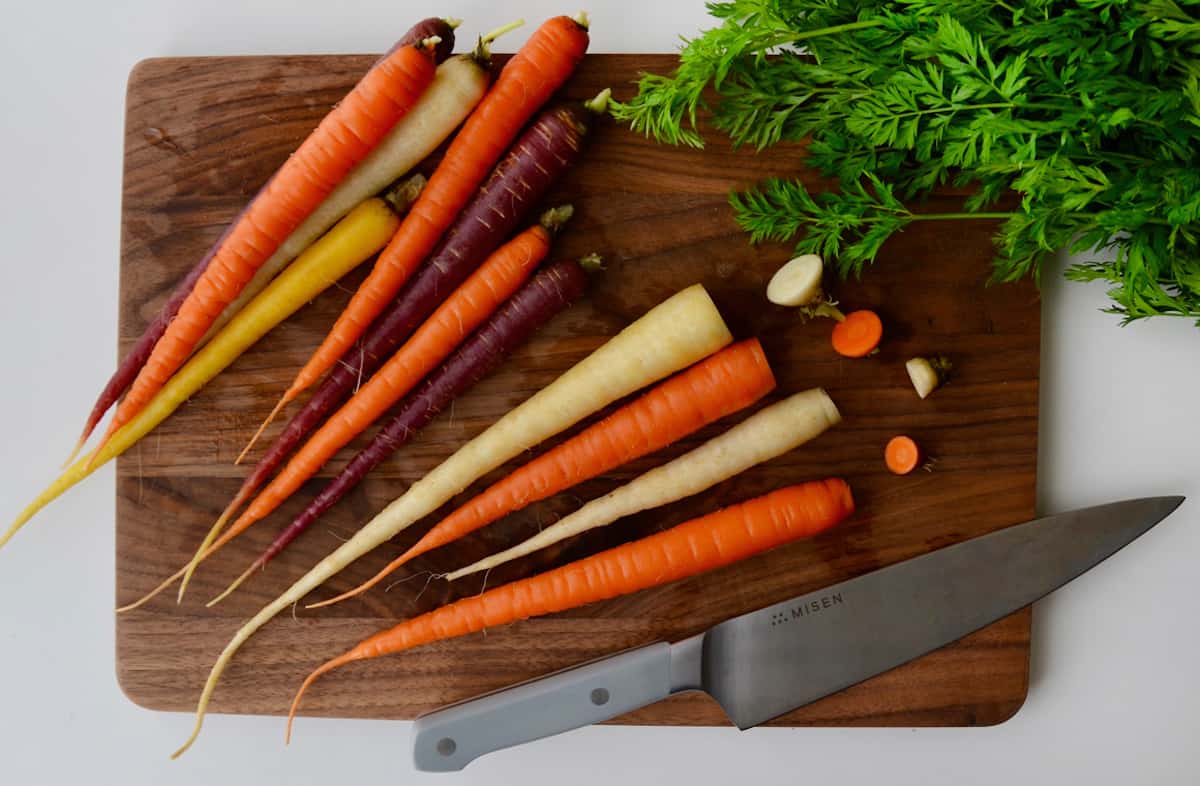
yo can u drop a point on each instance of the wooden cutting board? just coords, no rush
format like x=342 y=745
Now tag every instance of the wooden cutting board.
x=202 y=134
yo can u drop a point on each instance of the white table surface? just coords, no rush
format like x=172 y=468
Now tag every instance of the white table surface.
x=1115 y=677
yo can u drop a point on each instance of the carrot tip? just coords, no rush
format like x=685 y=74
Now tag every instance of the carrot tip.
x=282 y=403
x=452 y=22
x=582 y=20
x=75 y=451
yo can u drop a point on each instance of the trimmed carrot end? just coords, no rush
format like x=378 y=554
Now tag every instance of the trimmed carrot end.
x=582 y=20
x=858 y=335
x=902 y=455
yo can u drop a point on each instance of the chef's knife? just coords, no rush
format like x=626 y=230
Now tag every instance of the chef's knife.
x=771 y=661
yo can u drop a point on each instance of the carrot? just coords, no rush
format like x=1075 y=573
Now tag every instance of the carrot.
x=137 y=356
x=549 y=292
x=457 y=87
x=697 y=546
x=723 y=383
x=673 y=335
x=526 y=82
x=858 y=334
x=463 y=311
x=765 y=435
x=902 y=455
x=351 y=242
x=344 y=138
x=541 y=155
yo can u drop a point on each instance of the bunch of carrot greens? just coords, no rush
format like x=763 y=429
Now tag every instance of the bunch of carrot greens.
x=1086 y=110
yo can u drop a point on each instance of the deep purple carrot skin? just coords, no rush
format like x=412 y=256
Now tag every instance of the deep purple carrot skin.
x=428 y=28
x=536 y=160
x=543 y=296
x=132 y=363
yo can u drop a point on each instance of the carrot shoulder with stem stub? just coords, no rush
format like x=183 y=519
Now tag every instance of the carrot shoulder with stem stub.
x=546 y=294
x=133 y=361
x=694 y=547
x=671 y=336
x=466 y=308
x=539 y=157
x=343 y=138
x=719 y=385
x=527 y=81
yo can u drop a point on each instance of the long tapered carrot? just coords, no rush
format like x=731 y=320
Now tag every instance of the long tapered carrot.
x=132 y=363
x=668 y=338
x=540 y=67
x=768 y=433
x=344 y=138
x=538 y=158
x=697 y=546
x=721 y=384
x=351 y=242
x=546 y=294
x=468 y=306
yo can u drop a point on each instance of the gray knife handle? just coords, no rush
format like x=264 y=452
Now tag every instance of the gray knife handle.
x=450 y=738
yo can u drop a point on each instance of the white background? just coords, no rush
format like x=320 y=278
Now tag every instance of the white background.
x=1116 y=658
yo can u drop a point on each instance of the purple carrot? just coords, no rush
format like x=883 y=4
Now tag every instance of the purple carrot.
x=543 y=296
x=132 y=363
x=537 y=159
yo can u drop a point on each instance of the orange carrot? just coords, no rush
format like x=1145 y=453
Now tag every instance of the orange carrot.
x=696 y=546
x=720 y=385
x=525 y=83
x=902 y=455
x=466 y=308
x=344 y=138
x=858 y=334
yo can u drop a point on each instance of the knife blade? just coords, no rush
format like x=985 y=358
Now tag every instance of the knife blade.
x=768 y=662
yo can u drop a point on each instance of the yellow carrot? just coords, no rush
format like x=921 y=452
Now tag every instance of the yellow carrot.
x=354 y=240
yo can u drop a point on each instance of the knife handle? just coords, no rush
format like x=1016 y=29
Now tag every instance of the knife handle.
x=450 y=738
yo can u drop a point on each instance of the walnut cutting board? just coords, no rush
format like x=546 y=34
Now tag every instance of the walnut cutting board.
x=202 y=134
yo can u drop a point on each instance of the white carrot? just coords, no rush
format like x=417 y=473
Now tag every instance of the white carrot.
x=766 y=434
x=675 y=334
x=457 y=87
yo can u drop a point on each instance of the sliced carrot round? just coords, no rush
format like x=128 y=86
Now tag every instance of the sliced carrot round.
x=858 y=334
x=902 y=455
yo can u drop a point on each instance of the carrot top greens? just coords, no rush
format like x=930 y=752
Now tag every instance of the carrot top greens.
x=1089 y=110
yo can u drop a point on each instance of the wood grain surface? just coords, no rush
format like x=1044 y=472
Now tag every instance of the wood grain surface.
x=202 y=134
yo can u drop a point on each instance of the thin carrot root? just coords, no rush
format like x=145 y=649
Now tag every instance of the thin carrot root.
x=328 y=666
x=137 y=604
x=354 y=593
x=75 y=451
x=283 y=402
x=256 y=565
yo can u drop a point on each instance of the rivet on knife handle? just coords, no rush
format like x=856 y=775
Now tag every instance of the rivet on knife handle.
x=451 y=738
